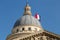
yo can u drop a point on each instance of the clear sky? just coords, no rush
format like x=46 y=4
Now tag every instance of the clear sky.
x=11 y=10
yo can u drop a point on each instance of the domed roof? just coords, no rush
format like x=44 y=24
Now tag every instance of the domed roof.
x=27 y=20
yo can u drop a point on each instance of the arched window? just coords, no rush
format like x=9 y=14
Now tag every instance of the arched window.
x=17 y=30
x=29 y=29
x=23 y=29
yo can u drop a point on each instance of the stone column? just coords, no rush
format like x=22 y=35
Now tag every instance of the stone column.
x=44 y=38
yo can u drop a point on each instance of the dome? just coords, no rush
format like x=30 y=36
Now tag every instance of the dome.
x=27 y=23
x=27 y=20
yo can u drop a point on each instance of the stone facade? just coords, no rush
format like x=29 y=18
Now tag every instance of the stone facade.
x=36 y=36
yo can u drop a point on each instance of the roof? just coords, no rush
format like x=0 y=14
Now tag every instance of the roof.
x=27 y=20
x=51 y=34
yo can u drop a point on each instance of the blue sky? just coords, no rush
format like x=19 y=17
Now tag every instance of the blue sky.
x=11 y=10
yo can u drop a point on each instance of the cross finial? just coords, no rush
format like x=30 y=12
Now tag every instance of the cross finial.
x=27 y=1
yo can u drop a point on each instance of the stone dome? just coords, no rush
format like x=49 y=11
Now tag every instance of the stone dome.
x=27 y=20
